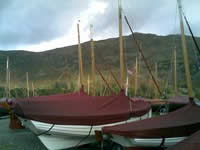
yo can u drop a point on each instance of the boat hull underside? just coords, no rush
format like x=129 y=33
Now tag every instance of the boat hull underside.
x=68 y=136
x=141 y=142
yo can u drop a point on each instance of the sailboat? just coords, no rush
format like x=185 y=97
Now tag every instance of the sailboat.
x=162 y=131
x=70 y=120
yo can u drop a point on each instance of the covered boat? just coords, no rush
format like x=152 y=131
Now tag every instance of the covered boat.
x=162 y=130
x=191 y=143
x=80 y=109
x=64 y=120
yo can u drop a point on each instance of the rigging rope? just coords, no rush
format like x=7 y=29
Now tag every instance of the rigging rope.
x=140 y=50
x=77 y=145
x=45 y=132
x=104 y=79
x=194 y=39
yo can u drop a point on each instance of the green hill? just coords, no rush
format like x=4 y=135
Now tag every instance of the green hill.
x=62 y=63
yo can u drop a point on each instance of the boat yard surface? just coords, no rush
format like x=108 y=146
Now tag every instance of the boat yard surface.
x=21 y=139
x=24 y=139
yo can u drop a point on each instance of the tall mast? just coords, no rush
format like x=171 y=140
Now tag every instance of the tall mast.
x=93 y=60
x=185 y=53
x=126 y=91
x=80 y=57
x=121 y=45
x=88 y=82
x=9 y=83
x=7 y=77
x=27 y=84
x=33 y=89
x=175 y=76
x=156 y=78
x=136 y=76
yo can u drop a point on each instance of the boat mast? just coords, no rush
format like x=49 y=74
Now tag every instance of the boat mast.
x=126 y=91
x=9 y=83
x=93 y=60
x=175 y=75
x=136 y=76
x=33 y=89
x=156 y=78
x=185 y=53
x=27 y=84
x=80 y=57
x=88 y=82
x=7 y=78
x=121 y=46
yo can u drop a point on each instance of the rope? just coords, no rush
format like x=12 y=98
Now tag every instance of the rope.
x=115 y=79
x=45 y=132
x=104 y=79
x=77 y=145
x=140 y=50
x=194 y=40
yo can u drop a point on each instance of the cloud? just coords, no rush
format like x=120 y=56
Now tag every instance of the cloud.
x=43 y=24
x=34 y=21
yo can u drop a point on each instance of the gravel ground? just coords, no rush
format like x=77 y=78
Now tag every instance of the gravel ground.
x=24 y=139
x=21 y=139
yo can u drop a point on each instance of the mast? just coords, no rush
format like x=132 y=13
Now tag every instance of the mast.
x=126 y=91
x=88 y=84
x=185 y=53
x=80 y=57
x=33 y=89
x=27 y=84
x=175 y=76
x=93 y=61
x=9 y=83
x=156 y=78
x=7 y=77
x=136 y=76
x=121 y=46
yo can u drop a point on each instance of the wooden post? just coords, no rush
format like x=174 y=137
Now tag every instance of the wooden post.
x=93 y=62
x=185 y=53
x=121 y=46
x=136 y=77
x=27 y=83
x=80 y=57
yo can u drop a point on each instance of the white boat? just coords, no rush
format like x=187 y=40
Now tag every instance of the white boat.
x=142 y=142
x=67 y=136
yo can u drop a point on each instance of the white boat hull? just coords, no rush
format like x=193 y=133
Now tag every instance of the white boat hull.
x=67 y=136
x=150 y=142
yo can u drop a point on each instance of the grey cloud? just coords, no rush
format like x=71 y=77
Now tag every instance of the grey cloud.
x=34 y=21
x=26 y=22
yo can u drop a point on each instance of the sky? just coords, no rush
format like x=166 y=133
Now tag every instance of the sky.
x=39 y=25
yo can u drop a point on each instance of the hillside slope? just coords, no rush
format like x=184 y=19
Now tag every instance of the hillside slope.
x=50 y=65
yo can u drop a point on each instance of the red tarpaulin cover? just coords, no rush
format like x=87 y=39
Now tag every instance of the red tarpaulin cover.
x=80 y=109
x=182 y=122
x=191 y=143
x=179 y=100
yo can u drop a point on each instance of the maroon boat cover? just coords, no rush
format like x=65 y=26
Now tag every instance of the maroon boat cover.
x=179 y=100
x=80 y=109
x=182 y=122
x=191 y=143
